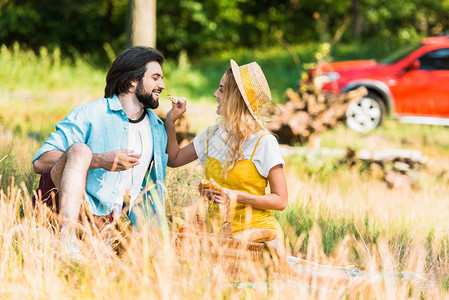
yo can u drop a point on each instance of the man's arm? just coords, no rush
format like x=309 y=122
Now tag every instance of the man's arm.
x=117 y=160
x=46 y=161
x=68 y=131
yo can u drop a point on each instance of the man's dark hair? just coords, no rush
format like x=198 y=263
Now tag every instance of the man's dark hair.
x=130 y=65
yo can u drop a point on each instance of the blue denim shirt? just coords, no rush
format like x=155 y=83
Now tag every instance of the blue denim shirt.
x=103 y=126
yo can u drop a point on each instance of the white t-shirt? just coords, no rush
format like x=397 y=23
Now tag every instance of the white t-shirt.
x=267 y=154
x=140 y=140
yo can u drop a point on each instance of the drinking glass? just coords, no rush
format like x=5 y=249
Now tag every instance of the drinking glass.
x=136 y=145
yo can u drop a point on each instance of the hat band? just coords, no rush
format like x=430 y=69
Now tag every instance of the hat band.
x=248 y=86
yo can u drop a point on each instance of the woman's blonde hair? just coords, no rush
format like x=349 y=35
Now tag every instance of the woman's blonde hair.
x=236 y=121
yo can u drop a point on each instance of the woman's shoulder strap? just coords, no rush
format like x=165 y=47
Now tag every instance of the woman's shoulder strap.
x=209 y=133
x=255 y=147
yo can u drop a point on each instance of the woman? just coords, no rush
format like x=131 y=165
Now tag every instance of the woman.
x=237 y=152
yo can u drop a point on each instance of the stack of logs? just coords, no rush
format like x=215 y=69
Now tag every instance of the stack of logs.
x=398 y=168
x=307 y=113
x=394 y=166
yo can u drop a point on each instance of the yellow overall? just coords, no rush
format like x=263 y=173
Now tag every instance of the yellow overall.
x=242 y=177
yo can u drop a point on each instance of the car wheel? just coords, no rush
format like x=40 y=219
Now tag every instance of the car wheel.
x=366 y=114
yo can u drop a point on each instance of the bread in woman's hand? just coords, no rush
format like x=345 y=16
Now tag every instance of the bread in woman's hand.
x=172 y=98
x=257 y=235
x=209 y=184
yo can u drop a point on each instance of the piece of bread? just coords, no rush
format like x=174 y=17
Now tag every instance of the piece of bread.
x=209 y=184
x=256 y=235
x=172 y=98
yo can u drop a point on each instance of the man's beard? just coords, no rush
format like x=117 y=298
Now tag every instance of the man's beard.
x=145 y=98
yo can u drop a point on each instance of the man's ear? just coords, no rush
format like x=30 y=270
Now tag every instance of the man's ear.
x=132 y=85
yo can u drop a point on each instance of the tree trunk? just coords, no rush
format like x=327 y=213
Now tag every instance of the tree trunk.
x=142 y=25
x=356 y=20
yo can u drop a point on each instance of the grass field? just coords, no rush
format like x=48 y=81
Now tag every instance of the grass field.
x=337 y=215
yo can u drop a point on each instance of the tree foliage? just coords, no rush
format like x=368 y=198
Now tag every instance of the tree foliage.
x=201 y=27
x=76 y=27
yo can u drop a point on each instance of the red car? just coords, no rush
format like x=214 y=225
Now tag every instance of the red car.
x=412 y=85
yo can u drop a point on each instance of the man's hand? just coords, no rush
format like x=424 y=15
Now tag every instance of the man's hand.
x=117 y=160
x=177 y=110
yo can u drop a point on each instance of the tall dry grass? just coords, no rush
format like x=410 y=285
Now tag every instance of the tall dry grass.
x=408 y=221
x=337 y=216
x=150 y=264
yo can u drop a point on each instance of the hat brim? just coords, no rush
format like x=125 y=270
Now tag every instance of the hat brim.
x=239 y=81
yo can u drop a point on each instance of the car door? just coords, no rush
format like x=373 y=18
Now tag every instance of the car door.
x=424 y=91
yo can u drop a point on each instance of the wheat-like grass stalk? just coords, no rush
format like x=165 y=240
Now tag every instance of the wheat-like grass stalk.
x=142 y=266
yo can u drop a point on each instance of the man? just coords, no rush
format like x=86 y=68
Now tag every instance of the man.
x=108 y=149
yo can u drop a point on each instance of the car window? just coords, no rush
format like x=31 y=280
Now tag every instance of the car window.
x=400 y=54
x=435 y=60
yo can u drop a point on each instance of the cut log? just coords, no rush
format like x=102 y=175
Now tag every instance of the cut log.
x=395 y=180
x=396 y=167
x=308 y=113
x=299 y=123
x=411 y=157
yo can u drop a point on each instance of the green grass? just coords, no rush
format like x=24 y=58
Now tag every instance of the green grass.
x=197 y=78
x=15 y=165
x=23 y=70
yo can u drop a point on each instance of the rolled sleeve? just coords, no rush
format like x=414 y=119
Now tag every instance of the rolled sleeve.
x=69 y=131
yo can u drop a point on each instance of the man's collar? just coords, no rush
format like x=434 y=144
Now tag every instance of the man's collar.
x=154 y=117
x=114 y=103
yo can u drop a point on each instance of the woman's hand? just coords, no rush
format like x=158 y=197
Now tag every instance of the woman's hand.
x=177 y=110
x=177 y=157
x=276 y=200
x=222 y=197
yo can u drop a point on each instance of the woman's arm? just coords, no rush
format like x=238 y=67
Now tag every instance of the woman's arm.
x=177 y=157
x=276 y=200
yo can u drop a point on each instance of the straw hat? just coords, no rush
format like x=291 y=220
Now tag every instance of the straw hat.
x=253 y=86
